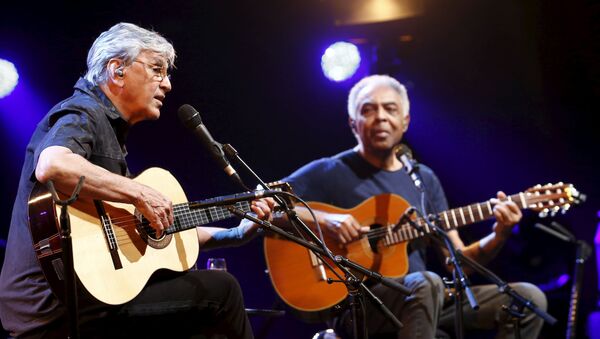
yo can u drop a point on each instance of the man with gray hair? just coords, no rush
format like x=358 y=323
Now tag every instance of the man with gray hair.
x=84 y=135
x=378 y=109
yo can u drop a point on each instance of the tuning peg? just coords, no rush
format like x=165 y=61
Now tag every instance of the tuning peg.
x=565 y=208
x=576 y=196
x=555 y=210
x=537 y=186
x=543 y=213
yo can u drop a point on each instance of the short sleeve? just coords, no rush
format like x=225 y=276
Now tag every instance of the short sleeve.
x=304 y=181
x=437 y=196
x=72 y=130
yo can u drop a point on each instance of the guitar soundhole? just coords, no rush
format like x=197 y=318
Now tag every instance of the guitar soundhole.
x=148 y=234
x=374 y=239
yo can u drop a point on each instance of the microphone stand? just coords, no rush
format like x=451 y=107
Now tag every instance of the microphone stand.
x=518 y=301
x=67 y=257
x=343 y=263
x=460 y=279
x=354 y=285
x=584 y=250
x=515 y=310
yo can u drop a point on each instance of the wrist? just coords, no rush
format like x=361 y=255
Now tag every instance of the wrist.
x=502 y=232
x=490 y=245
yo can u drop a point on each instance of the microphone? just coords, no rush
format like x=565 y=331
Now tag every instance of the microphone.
x=233 y=198
x=404 y=154
x=191 y=119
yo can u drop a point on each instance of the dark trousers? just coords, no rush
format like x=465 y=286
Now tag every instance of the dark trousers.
x=423 y=312
x=193 y=304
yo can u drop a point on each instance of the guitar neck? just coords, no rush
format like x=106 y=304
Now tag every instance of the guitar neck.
x=452 y=219
x=188 y=216
x=457 y=217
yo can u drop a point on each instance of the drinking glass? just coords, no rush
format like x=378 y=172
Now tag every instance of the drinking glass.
x=216 y=264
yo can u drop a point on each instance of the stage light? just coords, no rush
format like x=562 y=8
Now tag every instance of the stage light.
x=360 y=12
x=555 y=283
x=340 y=61
x=8 y=77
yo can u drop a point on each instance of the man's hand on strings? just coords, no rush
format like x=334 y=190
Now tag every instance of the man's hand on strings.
x=507 y=214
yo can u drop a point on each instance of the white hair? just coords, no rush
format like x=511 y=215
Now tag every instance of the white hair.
x=377 y=79
x=124 y=41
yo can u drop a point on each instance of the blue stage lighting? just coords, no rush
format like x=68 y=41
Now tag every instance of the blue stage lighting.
x=8 y=77
x=340 y=61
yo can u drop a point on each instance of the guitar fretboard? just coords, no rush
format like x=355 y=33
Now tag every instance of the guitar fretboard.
x=449 y=220
x=187 y=216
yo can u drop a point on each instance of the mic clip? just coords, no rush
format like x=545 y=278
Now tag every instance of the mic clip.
x=406 y=219
x=411 y=168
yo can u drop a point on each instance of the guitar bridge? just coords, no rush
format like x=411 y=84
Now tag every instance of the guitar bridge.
x=318 y=266
x=109 y=235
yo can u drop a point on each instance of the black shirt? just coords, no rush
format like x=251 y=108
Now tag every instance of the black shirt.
x=89 y=125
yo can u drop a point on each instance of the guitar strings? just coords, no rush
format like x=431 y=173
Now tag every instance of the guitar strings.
x=130 y=221
x=125 y=238
x=183 y=210
x=126 y=222
x=177 y=208
x=406 y=231
x=384 y=231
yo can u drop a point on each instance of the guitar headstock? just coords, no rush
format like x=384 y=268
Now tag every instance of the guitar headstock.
x=284 y=187
x=552 y=198
x=280 y=186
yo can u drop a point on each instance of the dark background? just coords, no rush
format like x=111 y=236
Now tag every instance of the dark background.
x=503 y=97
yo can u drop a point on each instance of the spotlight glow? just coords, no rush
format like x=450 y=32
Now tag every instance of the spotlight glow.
x=8 y=77
x=340 y=61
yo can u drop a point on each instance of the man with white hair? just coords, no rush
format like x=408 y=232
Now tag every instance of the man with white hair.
x=84 y=135
x=378 y=109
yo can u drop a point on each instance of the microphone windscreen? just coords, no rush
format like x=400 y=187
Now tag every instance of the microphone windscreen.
x=403 y=149
x=189 y=116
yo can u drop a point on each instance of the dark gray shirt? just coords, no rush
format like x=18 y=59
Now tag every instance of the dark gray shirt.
x=89 y=125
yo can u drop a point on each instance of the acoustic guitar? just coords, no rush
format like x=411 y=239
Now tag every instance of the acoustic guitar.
x=301 y=279
x=115 y=251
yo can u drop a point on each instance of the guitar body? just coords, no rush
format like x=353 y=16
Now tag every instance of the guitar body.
x=302 y=282
x=111 y=277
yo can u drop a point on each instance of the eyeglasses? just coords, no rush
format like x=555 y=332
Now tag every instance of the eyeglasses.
x=159 y=72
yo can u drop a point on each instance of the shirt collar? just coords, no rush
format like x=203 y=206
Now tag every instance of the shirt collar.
x=119 y=124
x=95 y=91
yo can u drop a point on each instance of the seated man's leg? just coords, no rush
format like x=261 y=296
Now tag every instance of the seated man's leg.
x=186 y=304
x=418 y=312
x=491 y=316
